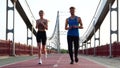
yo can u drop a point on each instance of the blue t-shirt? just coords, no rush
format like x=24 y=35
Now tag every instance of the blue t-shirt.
x=73 y=22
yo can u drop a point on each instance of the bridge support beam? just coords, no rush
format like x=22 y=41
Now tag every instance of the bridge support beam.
x=7 y=21
x=95 y=39
x=56 y=35
x=30 y=38
x=88 y=43
x=117 y=30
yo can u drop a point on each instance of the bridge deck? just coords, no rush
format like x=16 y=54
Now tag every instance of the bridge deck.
x=54 y=61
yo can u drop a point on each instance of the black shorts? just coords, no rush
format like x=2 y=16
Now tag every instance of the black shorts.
x=41 y=37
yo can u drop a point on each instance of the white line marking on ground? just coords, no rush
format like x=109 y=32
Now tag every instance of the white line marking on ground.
x=55 y=65
x=58 y=61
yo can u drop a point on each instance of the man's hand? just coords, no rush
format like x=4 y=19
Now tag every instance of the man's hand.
x=80 y=27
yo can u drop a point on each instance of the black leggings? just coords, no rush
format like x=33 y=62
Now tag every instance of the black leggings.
x=73 y=40
x=41 y=37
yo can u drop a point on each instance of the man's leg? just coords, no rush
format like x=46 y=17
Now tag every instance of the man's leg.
x=76 y=47
x=69 y=40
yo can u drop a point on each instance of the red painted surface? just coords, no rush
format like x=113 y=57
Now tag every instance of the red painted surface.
x=55 y=61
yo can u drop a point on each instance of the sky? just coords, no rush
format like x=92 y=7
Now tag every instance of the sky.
x=84 y=8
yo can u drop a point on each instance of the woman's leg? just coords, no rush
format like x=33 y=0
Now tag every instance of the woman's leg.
x=44 y=50
x=44 y=39
x=39 y=53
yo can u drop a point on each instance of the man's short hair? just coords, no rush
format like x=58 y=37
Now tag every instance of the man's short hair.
x=72 y=7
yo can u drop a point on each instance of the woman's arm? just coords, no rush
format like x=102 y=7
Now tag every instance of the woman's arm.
x=36 y=24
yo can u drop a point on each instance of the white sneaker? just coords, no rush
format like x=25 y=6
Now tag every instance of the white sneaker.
x=40 y=61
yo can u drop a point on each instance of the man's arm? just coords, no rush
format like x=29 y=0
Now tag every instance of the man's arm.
x=66 y=24
x=80 y=22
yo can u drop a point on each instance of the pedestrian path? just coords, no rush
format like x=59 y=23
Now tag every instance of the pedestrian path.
x=53 y=61
x=113 y=62
x=8 y=60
